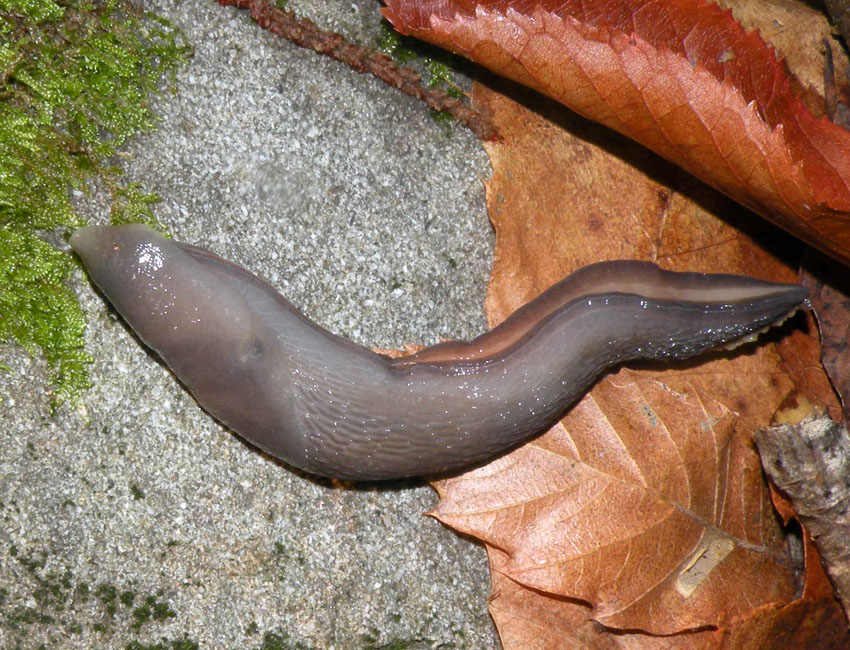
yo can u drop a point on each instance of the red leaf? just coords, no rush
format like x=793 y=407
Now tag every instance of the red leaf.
x=679 y=76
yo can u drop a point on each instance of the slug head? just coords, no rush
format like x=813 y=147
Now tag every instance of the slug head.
x=159 y=290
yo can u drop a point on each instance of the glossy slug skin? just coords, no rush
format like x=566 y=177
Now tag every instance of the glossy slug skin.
x=335 y=408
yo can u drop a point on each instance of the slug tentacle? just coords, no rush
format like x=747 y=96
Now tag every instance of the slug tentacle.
x=335 y=408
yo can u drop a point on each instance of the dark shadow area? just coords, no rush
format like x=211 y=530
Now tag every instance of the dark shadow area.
x=769 y=237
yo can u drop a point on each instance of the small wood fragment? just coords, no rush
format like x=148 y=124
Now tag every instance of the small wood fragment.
x=810 y=462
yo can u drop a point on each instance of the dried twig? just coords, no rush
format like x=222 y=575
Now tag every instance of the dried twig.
x=836 y=110
x=305 y=33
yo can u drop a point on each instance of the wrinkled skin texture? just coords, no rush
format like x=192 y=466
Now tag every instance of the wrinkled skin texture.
x=334 y=408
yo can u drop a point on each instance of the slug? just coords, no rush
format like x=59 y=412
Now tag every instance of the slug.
x=337 y=409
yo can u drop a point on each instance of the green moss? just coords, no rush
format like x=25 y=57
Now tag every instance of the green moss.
x=49 y=595
x=151 y=609
x=438 y=64
x=108 y=596
x=397 y=644
x=22 y=616
x=137 y=492
x=441 y=75
x=393 y=44
x=38 y=310
x=82 y=592
x=275 y=641
x=76 y=79
x=443 y=118
x=165 y=644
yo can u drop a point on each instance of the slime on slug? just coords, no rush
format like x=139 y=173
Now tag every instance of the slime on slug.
x=334 y=408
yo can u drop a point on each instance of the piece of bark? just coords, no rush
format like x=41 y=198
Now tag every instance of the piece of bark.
x=839 y=11
x=810 y=462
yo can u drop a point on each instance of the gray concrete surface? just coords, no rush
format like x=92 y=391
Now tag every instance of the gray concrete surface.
x=134 y=518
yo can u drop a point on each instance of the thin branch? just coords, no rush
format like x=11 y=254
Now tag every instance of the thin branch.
x=306 y=33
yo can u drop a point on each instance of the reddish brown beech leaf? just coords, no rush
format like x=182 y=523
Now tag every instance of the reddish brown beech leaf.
x=795 y=29
x=645 y=510
x=681 y=77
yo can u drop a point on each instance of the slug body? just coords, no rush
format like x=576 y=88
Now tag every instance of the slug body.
x=334 y=408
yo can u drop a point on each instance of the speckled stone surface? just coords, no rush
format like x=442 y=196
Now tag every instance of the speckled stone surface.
x=135 y=518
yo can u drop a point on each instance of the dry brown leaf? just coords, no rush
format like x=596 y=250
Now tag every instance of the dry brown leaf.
x=801 y=354
x=653 y=527
x=642 y=520
x=681 y=77
x=646 y=508
x=530 y=619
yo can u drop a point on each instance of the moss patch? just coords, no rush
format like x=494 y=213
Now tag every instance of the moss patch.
x=76 y=80
x=165 y=644
x=55 y=598
x=438 y=64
